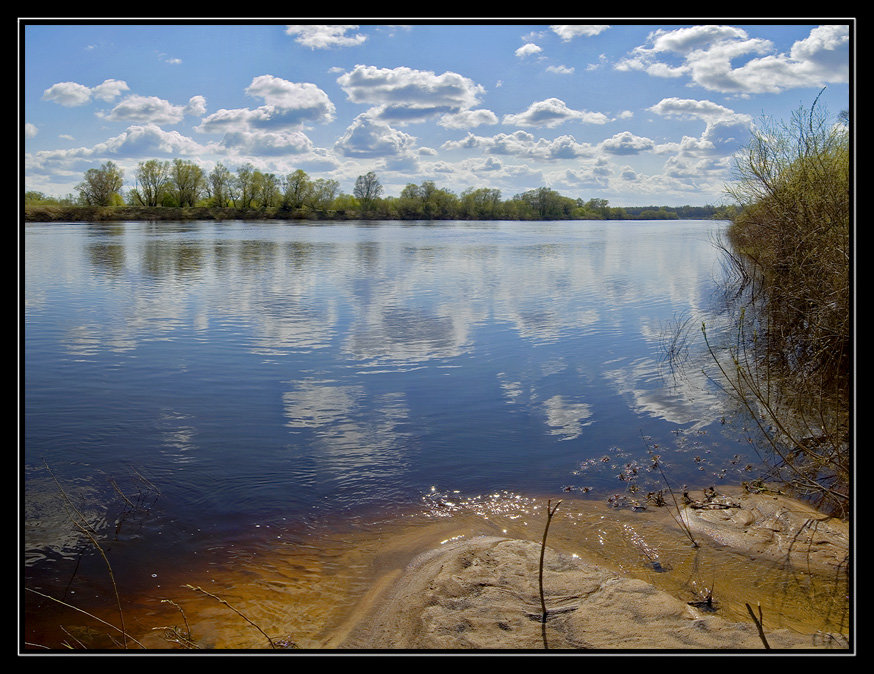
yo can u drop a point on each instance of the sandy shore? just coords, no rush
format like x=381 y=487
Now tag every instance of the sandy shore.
x=482 y=593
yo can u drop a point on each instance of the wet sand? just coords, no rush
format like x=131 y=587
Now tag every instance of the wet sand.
x=462 y=575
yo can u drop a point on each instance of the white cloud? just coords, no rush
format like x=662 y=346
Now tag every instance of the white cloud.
x=267 y=143
x=109 y=90
x=552 y=112
x=569 y=32
x=528 y=49
x=725 y=130
x=73 y=94
x=137 y=141
x=152 y=110
x=288 y=106
x=468 y=119
x=292 y=102
x=326 y=36
x=626 y=143
x=371 y=138
x=147 y=139
x=30 y=130
x=196 y=106
x=709 y=53
x=404 y=94
x=560 y=70
x=523 y=144
x=688 y=108
x=287 y=95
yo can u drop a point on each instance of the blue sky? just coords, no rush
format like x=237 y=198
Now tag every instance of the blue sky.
x=636 y=114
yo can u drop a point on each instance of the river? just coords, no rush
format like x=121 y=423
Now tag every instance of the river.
x=194 y=389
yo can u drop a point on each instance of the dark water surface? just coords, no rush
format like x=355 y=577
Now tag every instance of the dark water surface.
x=229 y=376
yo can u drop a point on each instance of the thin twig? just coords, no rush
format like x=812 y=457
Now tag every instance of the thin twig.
x=85 y=529
x=678 y=518
x=759 y=623
x=239 y=613
x=550 y=511
x=90 y=615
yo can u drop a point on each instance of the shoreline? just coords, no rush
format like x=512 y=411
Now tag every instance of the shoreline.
x=464 y=578
x=481 y=592
x=60 y=214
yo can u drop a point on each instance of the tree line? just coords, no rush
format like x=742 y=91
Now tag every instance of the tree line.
x=184 y=184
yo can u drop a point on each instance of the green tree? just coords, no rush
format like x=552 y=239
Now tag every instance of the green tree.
x=480 y=203
x=298 y=188
x=187 y=182
x=410 y=203
x=367 y=190
x=266 y=189
x=101 y=187
x=219 y=186
x=322 y=194
x=152 y=183
x=547 y=204
x=244 y=186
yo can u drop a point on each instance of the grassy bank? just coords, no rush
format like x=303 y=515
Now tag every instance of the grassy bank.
x=789 y=249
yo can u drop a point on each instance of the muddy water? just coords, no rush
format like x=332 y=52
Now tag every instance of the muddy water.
x=310 y=592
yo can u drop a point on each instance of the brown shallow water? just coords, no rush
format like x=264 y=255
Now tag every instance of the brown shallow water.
x=313 y=589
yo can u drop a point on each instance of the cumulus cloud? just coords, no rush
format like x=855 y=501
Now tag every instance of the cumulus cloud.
x=372 y=138
x=291 y=103
x=275 y=127
x=137 y=141
x=552 y=112
x=569 y=32
x=626 y=143
x=267 y=143
x=528 y=49
x=73 y=94
x=725 y=130
x=523 y=144
x=196 y=106
x=405 y=94
x=690 y=108
x=468 y=119
x=154 y=110
x=325 y=37
x=708 y=55
x=149 y=139
x=30 y=130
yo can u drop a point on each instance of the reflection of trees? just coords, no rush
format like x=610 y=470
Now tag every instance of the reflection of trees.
x=172 y=260
x=402 y=296
x=399 y=294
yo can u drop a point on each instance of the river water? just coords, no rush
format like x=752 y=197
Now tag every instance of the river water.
x=196 y=388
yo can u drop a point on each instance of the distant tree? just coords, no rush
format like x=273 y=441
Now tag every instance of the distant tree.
x=409 y=203
x=367 y=190
x=187 y=182
x=322 y=194
x=244 y=186
x=298 y=187
x=345 y=202
x=266 y=189
x=152 y=183
x=101 y=187
x=480 y=203
x=547 y=204
x=218 y=185
x=34 y=198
